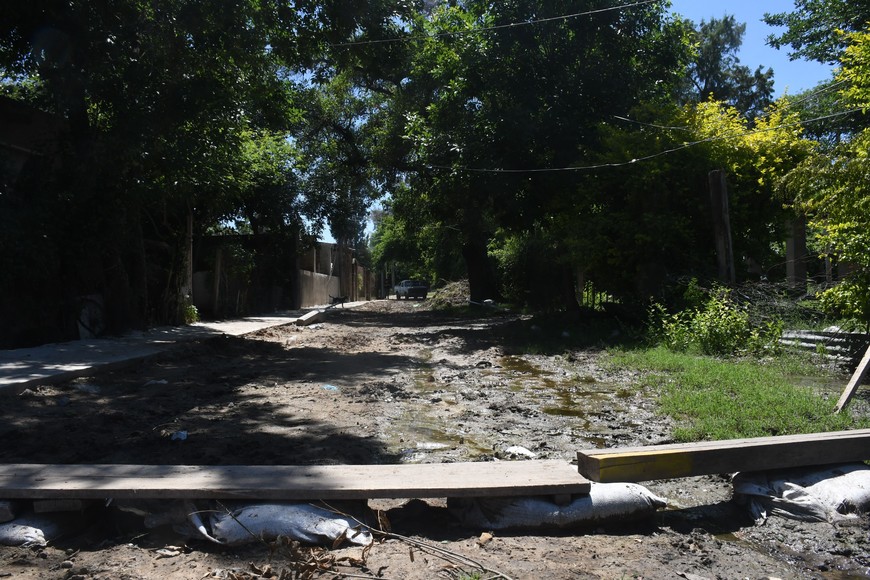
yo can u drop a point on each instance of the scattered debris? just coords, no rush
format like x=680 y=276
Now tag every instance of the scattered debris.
x=518 y=451
x=87 y=388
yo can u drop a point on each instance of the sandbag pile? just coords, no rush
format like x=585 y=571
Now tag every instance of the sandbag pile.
x=235 y=523
x=606 y=502
x=245 y=523
x=813 y=494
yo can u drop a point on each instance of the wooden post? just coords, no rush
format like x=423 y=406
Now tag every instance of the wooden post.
x=796 y=254
x=722 y=226
x=855 y=382
x=216 y=283
x=187 y=285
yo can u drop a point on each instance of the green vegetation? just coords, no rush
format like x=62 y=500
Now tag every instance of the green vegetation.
x=832 y=189
x=719 y=371
x=712 y=399
x=535 y=148
x=718 y=327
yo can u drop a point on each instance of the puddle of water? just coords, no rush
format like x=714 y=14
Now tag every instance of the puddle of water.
x=592 y=441
x=573 y=402
x=577 y=397
x=520 y=365
x=418 y=436
x=531 y=377
x=564 y=411
x=821 y=385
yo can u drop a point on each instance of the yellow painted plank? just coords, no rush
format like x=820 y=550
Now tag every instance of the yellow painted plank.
x=711 y=457
x=502 y=478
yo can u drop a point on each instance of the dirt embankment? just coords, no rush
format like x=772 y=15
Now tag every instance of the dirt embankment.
x=395 y=382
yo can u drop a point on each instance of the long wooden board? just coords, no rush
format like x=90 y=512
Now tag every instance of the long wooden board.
x=855 y=382
x=711 y=457
x=501 y=478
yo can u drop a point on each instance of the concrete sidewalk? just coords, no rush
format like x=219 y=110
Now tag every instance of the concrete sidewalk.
x=51 y=363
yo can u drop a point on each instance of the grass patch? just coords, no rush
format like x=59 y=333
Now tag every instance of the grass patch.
x=714 y=399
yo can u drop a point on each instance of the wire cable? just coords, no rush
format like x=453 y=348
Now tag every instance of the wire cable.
x=646 y=157
x=490 y=28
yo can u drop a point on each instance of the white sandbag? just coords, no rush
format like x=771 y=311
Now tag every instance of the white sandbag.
x=29 y=530
x=299 y=521
x=812 y=494
x=606 y=502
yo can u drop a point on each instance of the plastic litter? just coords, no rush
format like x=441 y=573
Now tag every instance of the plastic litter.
x=178 y=436
x=813 y=494
x=518 y=451
x=606 y=502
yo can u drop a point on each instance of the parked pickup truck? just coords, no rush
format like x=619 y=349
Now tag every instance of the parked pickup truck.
x=411 y=289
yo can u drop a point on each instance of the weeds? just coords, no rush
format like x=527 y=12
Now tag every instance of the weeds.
x=719 y=327
x=713 y=399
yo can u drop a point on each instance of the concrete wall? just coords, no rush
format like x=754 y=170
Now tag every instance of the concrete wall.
x=316 y=289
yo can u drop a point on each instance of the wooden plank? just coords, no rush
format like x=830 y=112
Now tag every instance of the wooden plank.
x=277 y=482
x=309 y=318
x=711 y=457
x=852 y=387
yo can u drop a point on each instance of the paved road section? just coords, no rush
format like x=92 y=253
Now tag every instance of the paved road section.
x=51 y=363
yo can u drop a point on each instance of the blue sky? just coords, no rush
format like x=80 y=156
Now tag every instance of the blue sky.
x=794 y=76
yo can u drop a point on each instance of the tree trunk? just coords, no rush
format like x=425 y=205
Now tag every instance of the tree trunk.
x=481 y=280
x=569 y=293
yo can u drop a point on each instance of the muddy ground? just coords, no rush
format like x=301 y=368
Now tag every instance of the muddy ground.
x=395 y=381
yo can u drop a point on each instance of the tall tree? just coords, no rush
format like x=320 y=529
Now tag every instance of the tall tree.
x=716 y=72
x=832 y=189
x=493 y=110
x=160 y=100
x=813 y=28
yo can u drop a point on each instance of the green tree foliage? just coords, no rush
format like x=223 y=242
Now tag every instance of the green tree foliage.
x=716 y=72
x=630 y=227
x=339 y=178
x=833 y=190
x=172 y=110
x=155 y=111
x=649 y=221
x=486 y=106
x=813 y=27
x=822 y=113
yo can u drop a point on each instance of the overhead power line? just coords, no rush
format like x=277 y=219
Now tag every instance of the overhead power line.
x=645 y=157
x=491 y=28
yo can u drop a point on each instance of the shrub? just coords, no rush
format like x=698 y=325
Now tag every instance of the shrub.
x=719 y=327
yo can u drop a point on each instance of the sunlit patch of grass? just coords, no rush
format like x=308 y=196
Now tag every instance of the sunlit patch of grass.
x=714 y=399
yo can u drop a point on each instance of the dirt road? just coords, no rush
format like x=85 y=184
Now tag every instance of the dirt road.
x=394 y=381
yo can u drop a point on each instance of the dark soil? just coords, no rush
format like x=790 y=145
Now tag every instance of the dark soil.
x=388 y=382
